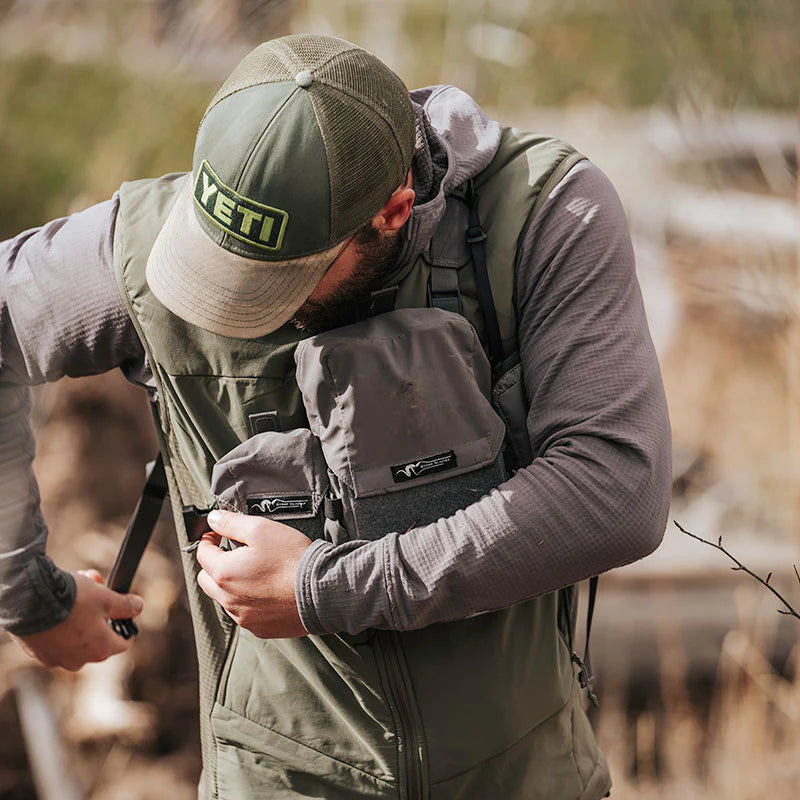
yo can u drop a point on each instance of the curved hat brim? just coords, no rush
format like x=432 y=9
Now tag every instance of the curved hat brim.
x=220 y=291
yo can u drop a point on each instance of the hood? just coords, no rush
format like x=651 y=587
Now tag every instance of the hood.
x=455 y=141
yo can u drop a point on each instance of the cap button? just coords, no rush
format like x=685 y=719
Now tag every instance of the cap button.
x=304 y=78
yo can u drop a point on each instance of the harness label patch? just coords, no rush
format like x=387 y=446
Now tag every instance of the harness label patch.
x=252 y=222
x=424 y=466
x=267 y=506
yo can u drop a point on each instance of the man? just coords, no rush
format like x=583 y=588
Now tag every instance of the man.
x=436 y=662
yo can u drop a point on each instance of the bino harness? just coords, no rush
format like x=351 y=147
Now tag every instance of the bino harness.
x=403 y=430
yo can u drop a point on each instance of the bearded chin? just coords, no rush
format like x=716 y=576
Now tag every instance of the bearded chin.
x=341 y=305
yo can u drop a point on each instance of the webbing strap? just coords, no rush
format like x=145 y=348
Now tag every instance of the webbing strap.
x=584 y=666
x=476 y=238
x=587 y=660
x=444 y=291
x=137 y=535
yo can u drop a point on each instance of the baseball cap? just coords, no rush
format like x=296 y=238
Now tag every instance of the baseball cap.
x=301 y=146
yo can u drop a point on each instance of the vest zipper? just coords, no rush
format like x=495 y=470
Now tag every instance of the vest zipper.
x=410 y=743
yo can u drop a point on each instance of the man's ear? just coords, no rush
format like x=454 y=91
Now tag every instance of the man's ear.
x=396 y=210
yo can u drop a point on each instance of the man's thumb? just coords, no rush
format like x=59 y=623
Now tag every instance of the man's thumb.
x=124 y=606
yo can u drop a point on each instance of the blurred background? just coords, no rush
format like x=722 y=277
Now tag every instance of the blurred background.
x=691 y=107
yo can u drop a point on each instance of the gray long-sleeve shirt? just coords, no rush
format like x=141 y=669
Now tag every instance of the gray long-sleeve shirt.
x=595 y=497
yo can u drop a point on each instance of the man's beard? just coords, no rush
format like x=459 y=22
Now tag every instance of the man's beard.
x=378 y=253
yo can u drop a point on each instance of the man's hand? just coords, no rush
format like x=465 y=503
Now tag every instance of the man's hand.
x=84 y=635
x=254 y=584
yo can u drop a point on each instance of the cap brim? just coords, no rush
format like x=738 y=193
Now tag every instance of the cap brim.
x=222 y=292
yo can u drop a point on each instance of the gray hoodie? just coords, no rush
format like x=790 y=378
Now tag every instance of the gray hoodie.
x=595 y=497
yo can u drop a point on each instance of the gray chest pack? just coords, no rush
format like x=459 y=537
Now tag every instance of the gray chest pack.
x=402 y=430
x=391 y=445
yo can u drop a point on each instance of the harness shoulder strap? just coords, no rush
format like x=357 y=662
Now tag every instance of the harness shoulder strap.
x=476 y=239
x=459 y=238
x=448 y=253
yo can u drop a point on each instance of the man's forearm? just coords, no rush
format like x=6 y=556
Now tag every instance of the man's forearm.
x=548 y=526
x=60 y=314
x=36 y=595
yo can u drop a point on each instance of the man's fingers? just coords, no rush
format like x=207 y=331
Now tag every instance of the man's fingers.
x=239 y=527
x=123 y=606
x=92 y=574
x=206 y=583
x=113 y=644
x=210 y=554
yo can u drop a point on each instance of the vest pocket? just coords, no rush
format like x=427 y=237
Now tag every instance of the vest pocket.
x=256 y=762
x=281 y=476
x=400 y=405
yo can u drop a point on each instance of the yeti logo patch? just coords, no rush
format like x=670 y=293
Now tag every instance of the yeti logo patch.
x=252 y=222
x=267 y=506
x=424 y=466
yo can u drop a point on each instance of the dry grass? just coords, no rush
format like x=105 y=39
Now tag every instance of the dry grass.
x=744 y=746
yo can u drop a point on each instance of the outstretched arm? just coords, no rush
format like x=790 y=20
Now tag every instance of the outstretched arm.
x=60 y=314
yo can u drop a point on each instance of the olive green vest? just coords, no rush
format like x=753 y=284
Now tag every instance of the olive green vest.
x=486 y=707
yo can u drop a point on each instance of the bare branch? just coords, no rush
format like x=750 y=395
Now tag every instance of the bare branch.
x=742 y=568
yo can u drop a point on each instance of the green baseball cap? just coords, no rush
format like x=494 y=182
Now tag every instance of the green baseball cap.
x=301 y=146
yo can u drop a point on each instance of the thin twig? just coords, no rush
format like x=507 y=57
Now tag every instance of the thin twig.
x=741 y=567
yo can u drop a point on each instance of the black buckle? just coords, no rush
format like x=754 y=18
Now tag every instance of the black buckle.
x=333 y=508
x=126 y=628
x=446 y=301
x=585 y=679
x=196 y=521
x=475 y=235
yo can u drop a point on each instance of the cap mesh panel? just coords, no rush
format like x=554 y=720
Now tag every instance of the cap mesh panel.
x=280 y=60
x=364 y=160
x=312 y=51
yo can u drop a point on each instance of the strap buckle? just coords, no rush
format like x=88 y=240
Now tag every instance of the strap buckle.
x=196 y=521
x=585 y=679
x=475 y=234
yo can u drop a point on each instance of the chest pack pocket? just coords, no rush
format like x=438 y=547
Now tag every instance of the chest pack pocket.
x=400 y=404
x=277 y=475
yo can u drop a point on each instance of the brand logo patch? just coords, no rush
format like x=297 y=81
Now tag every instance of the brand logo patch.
x=424 y=466
x=252 y=222
x=266 y=506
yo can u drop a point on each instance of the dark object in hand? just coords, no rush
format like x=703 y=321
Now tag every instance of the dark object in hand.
x=196 y=521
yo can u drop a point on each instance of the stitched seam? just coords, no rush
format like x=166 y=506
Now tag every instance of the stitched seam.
x=435 y=94
x=300 y=744
x=236 y=493
x=572 y=748
x=263 y=135
x=308 y=593
x=486 y=424
x=331 y=380
x=390 y=586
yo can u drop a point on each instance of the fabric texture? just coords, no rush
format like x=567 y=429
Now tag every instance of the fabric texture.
x=595 y=497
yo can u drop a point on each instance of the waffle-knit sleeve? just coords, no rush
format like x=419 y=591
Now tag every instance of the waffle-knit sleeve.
x=60 y=314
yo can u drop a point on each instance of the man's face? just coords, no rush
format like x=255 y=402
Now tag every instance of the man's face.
x=349 y=281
